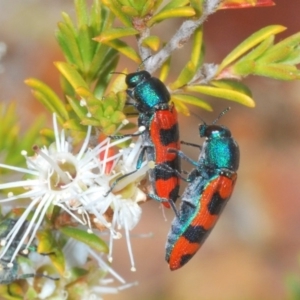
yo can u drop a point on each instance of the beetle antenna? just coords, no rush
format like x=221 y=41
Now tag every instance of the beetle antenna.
x=221 y=115
x=198 y=117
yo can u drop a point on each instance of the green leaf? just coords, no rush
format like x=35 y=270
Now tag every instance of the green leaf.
x=68 y=43
x=242 y=68
x=259 y=50
x=174 y=4
x=73 y=124
x=185 y=76
x=81 y=111
x=290 y=42
x=83 y=236
x=12 y=291
x=293 y=58
x=197 y=48
x=152 y=42
x=274 y=56
x=157 y=4
x=192 y=100
x=165 y=69
x=81 y=12
x=103 y=58
x=104 y=76
x=233 y=85
x=181 y=107
x=86 y=46
x=123 y=48
x=249 y=43
x=148 y=7
x=71 y=74
x=116 y=9
x=47 y=245
x=277 y=71
x=223 y=93
x=119 y=84
x=115 y=33
x=130 y=11
x=179 y=12
x=197 y=5
x=48 y=97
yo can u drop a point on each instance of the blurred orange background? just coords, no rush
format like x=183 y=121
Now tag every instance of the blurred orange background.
x=255 y=246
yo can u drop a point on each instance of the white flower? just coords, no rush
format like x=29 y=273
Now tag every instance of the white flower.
x=123 y=202
x=77 y=183
x=95 y=284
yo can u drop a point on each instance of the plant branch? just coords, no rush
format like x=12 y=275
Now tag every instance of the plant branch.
x=183 y=34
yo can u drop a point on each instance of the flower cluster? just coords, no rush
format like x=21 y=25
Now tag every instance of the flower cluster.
x=90 y=186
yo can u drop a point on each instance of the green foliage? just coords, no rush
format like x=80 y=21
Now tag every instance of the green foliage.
x=85 y=75
x=257 y=55
x=12 y=141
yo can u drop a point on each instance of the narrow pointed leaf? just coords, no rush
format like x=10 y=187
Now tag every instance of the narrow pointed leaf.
x=152 y=42
x=185 y=76
x=148 y=6
x=157 y=4
x=259 y=50
x=174 y=4
x=115 y=33
x=165 y=69
x=86 y=46
x=123 y=48
x=115 y=8
x=197 y=5
x=103 y=57
x=130 y=11
x=181 y=107
x=192 y=100
x=48 y=97
x=81 y=111
x=71 y=74
x=249 y=43
x=197 y=49
x=179 y=12
x=223 y=93
x=243 y=68
x=73 y=124
x=292 y=59
x=47 y=245
x=277 y=71
x=81 y=12
x=274 y=56
x=233 y=85
x=291 y=41
x=104 y=76
x=68 y=43
x=119 y=82
x=69 y=23
x=83 y=236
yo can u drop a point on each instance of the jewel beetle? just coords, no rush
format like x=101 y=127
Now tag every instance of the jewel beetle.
x=210 y=185
x=159 y=118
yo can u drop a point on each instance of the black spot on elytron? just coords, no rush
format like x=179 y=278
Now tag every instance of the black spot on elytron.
x=216 y=204
x=165 y=170
x=173 y=195
x=195 y=234
x=168 y=136
x=185 y=258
